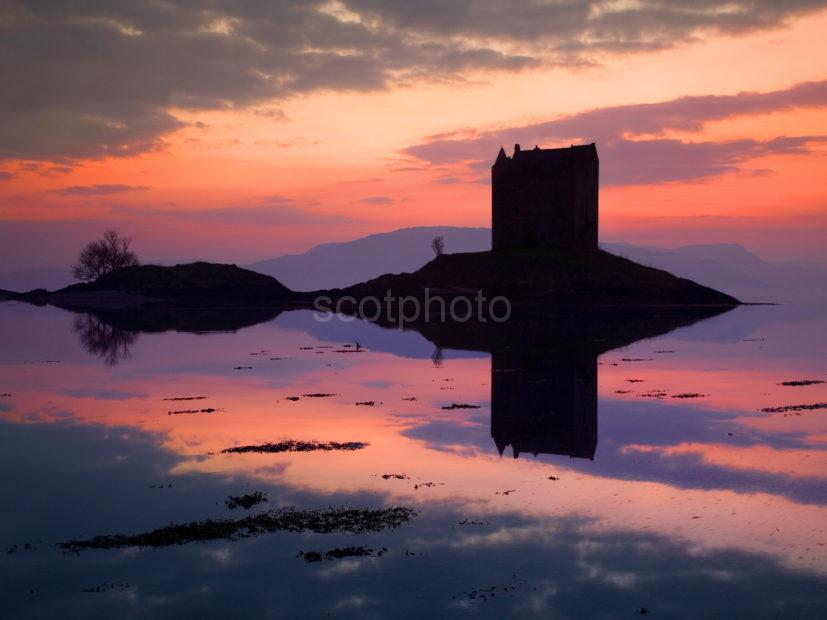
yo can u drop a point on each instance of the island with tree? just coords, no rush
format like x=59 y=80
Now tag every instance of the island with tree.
x=544 y=252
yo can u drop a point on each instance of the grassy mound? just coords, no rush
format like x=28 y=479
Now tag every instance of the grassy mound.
x=194 y=280
x=548 y=275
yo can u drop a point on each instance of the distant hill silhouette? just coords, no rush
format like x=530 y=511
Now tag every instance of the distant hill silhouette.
x=726 y=267
x=336 y=265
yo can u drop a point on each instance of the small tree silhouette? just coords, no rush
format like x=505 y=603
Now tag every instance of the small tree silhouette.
x=438 y=245
x=100 y=257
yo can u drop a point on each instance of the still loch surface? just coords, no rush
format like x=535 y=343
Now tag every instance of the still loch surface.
x=667 y=476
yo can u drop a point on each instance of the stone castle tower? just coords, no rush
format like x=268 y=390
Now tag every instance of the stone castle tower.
x=543 y=197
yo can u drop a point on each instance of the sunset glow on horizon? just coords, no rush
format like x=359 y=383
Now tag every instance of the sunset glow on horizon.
x=272 y=129
x=412 y=309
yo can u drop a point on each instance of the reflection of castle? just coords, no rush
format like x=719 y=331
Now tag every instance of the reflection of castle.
x=544 y=405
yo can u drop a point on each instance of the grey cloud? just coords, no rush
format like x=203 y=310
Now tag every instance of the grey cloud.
x=100 y=189
x=54 y=170
x=448 y=180
x=273 y=113
x=650 y=162
x=281 y=201
x=377 y=200
x=266 y=216
x=5 y=175
x=244 y=215
x=571 y=31
x=643 y=162
x=627 y=161
x=100 y=78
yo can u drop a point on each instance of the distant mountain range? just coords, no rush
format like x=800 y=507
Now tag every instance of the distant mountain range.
x=337 y=265
x=726 y=267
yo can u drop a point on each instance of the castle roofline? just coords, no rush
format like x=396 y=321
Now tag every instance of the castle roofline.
x=547 y=154
x=501 y=156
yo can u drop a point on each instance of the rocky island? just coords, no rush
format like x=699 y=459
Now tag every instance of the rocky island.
x=545 y=253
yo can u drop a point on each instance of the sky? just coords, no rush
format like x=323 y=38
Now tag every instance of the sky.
x=242 y=131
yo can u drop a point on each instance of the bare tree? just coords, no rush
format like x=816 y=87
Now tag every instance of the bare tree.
x=103 y=256
x=438 y=245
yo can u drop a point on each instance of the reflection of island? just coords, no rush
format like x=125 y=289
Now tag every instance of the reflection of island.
x=544 y=370
x=108 y=334
x=186 y=319
x=544 y=404
x=543 y=363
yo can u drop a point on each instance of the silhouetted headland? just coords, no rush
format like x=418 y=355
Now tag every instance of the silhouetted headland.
x=546 y=275
x=198 y=284
x=535 y=276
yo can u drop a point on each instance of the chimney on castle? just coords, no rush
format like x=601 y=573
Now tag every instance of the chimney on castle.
x=516 y=149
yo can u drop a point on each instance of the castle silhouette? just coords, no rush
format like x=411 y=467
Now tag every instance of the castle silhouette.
x=544 y=197
x=545 y=404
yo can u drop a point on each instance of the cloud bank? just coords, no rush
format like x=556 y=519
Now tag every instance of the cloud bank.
x=103 y=77
x=99 y=189
x=632 y=139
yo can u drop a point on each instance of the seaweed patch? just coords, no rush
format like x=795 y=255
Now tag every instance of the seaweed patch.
x=291 y=445
x=246 y=501
x=339 y=553
x=787 y=408
x=332 y=520
x=801 y=382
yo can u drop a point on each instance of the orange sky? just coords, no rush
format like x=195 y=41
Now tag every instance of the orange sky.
x=331 y=163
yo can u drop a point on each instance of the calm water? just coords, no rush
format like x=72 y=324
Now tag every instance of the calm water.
x=693 y=507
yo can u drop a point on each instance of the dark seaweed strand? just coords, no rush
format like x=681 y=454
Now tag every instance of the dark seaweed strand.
x=348 y=520
x=786 y=408
x=297 y=446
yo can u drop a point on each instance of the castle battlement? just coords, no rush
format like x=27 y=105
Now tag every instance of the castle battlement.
x=545 y=197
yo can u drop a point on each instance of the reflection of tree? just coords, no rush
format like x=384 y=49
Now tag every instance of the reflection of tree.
x=104 y=340
x=436 y=357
